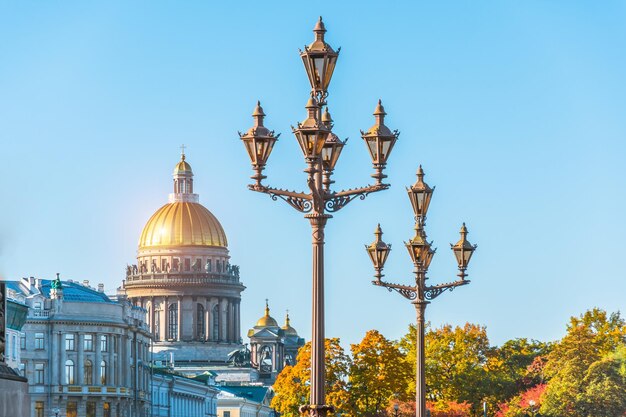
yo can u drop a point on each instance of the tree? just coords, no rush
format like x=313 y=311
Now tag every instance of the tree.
x=378 y=374
x=578 y=370
x=456 y=364
x=292 y=386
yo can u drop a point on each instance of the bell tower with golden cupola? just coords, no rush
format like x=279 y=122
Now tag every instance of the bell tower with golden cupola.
x=184 y=279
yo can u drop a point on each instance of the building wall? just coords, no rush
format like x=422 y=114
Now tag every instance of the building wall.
x=62 y=337
x=176 y=396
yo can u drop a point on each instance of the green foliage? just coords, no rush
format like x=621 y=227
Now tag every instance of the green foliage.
x=585 y=369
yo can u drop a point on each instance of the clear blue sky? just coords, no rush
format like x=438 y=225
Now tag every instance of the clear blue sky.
x=515 y=109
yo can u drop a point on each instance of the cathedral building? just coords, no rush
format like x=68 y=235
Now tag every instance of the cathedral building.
x=184 y=280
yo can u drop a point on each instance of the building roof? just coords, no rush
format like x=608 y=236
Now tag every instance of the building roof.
x=75 y=292
x=252 y=393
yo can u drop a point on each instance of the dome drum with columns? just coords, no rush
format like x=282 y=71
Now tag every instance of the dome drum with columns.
x=184 y=280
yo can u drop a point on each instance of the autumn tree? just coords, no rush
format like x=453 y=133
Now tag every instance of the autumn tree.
x=456 y=364
x=584 y=369
x=378 y=374
x=292 y=386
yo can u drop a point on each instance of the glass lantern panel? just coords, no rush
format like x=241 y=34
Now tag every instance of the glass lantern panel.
x=318 y=63
x=327 y=152
x=261 y=147
x=385 y=149
x=250 y=149
x=330 y=68
x=371 y=146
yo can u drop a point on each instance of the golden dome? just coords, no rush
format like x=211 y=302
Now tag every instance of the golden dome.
x=289 y=331
x=182 y=166
x=182 y=224
x=266 y=320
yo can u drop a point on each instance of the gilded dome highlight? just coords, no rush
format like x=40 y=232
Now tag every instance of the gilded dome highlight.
x=267 y=320
x=182 y=224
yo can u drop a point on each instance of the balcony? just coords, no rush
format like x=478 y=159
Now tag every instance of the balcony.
x=91 y=390
x=38 y=313
x=186 y=278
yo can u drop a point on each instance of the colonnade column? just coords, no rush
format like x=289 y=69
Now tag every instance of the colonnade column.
x=179 y=304
x=96 y=340
x=63 y=358
x=111 y=364
x=120 y=361
x=81 y=359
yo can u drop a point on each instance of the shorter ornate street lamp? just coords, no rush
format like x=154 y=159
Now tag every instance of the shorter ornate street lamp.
x=421 y=253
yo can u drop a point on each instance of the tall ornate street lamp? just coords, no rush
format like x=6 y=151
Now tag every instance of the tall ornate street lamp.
x=420 y=294
x=321 y=149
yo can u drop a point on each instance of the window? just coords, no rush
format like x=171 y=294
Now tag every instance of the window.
x=22 y=368
x=172 y=330
x=69 y=342
x=37 y=305
x=175 y=264
x=115 y=347
x=103 y=343
x=106 y=408
x=23 y=342
x=39 y=410
x=200 y=321
x=39 y=373
x=187 y=264
x=88 y=372
x=157 y=325
x=163 y=265
x=103 y=373
x=69 y=372
x=88 y=343
x=71 y=409
x=38 y=340
x=216 y=322
x=226 y=413
x=14 y=347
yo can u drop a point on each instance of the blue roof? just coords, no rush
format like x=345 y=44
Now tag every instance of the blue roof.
x=73 y=291
x=14 y=285
x=253 y=393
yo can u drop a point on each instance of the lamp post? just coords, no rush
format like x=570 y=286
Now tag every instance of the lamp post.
x=321 y=149
x=420 y=294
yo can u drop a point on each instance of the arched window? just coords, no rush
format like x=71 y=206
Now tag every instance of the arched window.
x=172 y=318
x=200 y=321
x=88 y=371
x=69 y=372
x=103 y=373
x=265 y=359
x=216 y=322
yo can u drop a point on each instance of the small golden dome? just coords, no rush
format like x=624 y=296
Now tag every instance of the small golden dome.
x=182 y=167
x=266 y=320
x=182 y=224
x=289 y=331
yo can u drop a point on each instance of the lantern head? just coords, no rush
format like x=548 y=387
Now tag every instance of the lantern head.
x=378 y=252
x=311 y=133
x=420 y=195
x=463 y=251
x=319 y=60
x=259 y=141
